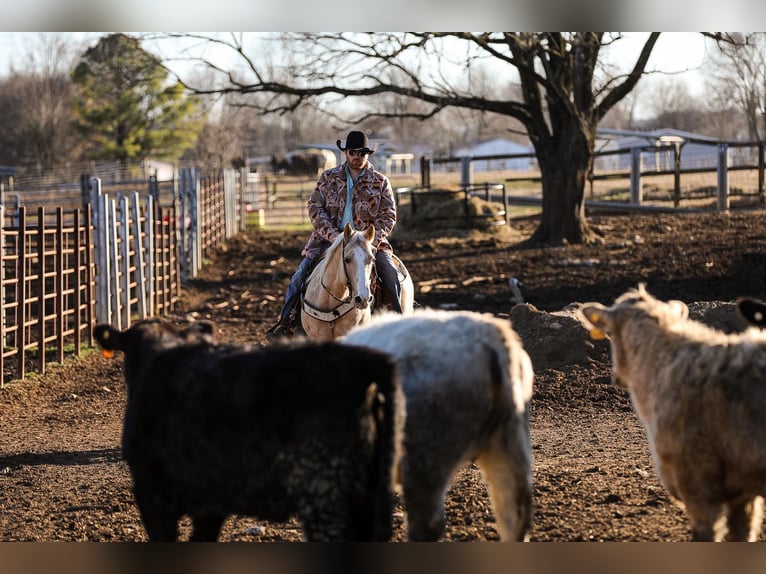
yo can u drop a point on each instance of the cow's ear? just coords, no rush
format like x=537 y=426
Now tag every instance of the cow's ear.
x=597 y=318
x=109 y=338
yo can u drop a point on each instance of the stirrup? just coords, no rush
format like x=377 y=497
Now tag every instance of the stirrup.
x=282 y=329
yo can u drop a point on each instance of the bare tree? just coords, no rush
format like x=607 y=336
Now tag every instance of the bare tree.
x=738 y=78
x=36 y=102
x=564 y=92
x=673 y=106
x=669 y=96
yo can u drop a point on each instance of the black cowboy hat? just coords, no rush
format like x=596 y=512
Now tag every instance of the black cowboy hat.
x=356 y=140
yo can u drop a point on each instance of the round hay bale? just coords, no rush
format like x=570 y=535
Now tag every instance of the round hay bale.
x=440 y=209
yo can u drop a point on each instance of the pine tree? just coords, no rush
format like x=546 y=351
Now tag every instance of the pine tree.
x=127 y=107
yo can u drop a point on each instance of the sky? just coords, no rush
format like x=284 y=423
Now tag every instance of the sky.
x=676 y=52
x=328 y=15
x=681 y=54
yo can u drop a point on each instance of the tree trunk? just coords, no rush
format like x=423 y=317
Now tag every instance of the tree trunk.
x=564 y=170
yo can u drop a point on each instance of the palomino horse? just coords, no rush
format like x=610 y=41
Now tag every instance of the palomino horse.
x=339 y=292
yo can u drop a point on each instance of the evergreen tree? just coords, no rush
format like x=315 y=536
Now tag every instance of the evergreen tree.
x=126 y=106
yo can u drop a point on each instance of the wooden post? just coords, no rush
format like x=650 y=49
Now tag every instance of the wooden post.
x=636 y=191
x=676 y=173
x=425 y=171
x=723 y=176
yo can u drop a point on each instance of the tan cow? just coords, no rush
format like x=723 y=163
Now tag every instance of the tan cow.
x=701 y=396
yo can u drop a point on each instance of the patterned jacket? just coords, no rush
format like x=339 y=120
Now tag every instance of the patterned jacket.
x=373 y=205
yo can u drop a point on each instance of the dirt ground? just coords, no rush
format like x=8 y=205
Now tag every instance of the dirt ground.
x=61 y=473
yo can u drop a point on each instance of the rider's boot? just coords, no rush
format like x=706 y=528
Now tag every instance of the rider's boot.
x=284 y=327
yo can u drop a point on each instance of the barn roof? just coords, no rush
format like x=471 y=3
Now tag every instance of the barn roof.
x=494 y=146
x=634 y=138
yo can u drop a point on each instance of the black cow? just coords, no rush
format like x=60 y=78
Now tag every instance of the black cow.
x=299 y=429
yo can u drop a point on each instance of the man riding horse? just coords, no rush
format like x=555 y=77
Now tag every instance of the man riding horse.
x=352 y=192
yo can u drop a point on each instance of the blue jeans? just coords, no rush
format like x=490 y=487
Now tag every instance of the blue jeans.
x=295 y=286
x=384 y=264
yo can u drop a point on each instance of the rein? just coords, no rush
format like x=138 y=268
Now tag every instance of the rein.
x=344 y=305
x=345 y=273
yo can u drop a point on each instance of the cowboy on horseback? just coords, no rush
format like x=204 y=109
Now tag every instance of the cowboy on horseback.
x=353 y=192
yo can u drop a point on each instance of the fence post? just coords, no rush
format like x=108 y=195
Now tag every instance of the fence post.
x=86 y=188
x=425 y=171
x=154 y=188
x=41 y=313
x=677 y=173
x=723 y=176
x=183 y=199
x=21 y=300
x=760 y=172
x=60 y=283
x=190 y=238
x=99 y=206
x=466 y=171
x=230 y=202
x=113 y=296
x=140 y=263
x=125 y=256
x=195 y=223
x=636 y=191
x=16 y=208
x=150 y=259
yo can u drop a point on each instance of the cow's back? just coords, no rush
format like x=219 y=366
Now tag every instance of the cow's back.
x=257 y=431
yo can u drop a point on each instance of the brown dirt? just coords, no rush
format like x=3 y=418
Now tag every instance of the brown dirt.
x=61 y=473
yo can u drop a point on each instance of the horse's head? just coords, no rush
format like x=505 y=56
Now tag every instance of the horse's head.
x=357 y=262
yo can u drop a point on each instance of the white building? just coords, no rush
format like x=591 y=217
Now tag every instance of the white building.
x=499 y=146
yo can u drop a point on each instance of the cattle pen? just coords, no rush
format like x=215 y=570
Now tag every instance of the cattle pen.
x=108 y=252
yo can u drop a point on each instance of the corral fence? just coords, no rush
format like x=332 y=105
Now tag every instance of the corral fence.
x=118 y=253
x=277 y=201
x=676 y=174
x=652 y=177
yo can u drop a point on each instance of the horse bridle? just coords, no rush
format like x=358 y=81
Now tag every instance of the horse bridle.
x=345 y=273
x=344 y=305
